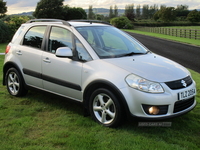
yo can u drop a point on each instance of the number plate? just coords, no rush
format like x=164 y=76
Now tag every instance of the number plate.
x=186 y=94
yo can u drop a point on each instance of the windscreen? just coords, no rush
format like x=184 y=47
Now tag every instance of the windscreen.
x=108 y=41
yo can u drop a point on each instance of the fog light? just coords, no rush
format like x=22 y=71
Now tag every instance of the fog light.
x=154 y=110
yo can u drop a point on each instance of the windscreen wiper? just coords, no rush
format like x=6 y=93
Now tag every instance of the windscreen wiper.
x=131 y=54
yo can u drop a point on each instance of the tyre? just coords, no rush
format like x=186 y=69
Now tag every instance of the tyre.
x=14 y=83
x=105 y=108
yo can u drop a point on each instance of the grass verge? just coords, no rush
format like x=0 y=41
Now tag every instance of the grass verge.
x=46 y=122
x=173 y=38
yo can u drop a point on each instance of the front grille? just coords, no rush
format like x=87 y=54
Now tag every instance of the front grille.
x=178 y=84
x=184 y=104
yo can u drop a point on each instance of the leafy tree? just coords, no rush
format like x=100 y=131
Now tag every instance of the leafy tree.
x=49 y=9
x=182 y=12
x=91 y=14
x=165 y=14
x=129 y=12
x=121 y=22
x=168 y=14
x=3 y=8
x=70 y=13
x=194 y=16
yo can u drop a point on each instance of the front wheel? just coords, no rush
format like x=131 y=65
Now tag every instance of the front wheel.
x=14 y=83
x=105 y=108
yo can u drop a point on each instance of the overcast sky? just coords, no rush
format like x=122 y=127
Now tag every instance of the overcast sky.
x=19 y=6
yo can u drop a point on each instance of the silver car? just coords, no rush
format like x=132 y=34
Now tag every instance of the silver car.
x=109 y=72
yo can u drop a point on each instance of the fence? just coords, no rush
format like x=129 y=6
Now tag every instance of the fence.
x=185 y=33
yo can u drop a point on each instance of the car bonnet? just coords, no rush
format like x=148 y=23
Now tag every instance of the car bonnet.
x=151 y=66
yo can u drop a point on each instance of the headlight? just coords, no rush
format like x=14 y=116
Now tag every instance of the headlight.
x=142 y=84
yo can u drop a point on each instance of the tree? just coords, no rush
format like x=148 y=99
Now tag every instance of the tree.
x=129 y=12
x=111 y=12
x=145 y=11
x=182 y=12
x=153 y=9
x=115 y=11
x=91 y=15
x=70 y=13
x=49 y=9
x=138 y=11
x=3 y=8
x=194 y=16
x=166 y=14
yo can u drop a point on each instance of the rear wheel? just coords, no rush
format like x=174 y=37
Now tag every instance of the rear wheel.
x=14 y=83
x=105 y=108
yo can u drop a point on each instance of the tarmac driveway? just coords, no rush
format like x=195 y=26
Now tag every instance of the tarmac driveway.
x=186 y=55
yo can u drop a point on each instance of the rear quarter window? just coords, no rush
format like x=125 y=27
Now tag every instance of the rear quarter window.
x=19 y=31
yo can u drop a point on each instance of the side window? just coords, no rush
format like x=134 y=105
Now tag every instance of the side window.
x=34 y=37
x=82 y=52
x=59 y=37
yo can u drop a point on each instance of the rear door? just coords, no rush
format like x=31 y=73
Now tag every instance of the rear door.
x=29 y=53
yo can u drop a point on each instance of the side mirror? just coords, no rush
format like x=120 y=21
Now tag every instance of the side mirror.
x=64 y=52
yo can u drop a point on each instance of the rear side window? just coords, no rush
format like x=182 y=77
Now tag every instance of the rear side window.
x=34 y=37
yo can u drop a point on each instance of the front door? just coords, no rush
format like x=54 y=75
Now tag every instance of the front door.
x=61 y=75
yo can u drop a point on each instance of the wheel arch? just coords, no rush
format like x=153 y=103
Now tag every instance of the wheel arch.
x=107 y=85
x=7 y=66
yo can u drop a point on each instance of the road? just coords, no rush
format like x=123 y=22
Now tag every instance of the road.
x=186 y=55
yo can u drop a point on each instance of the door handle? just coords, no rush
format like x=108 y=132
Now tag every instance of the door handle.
x=47 y=60
x=19 y=53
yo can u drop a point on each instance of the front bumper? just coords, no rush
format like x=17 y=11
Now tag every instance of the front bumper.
x=169 y=106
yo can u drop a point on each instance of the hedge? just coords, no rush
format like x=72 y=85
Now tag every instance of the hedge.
x=4 y=32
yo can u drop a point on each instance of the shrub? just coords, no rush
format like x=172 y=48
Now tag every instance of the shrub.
x=4 y=32
x=121 y=22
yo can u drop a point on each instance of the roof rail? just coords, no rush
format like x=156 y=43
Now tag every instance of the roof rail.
x=49 y=20
x=91 y=21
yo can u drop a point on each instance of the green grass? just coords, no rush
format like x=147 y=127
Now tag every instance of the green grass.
x=173 y=38
x=41 y=121
x=3 y=47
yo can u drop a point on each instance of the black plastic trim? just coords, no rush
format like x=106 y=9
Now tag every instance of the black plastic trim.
x=61 y=82
x=52 y=79
x=32 y=73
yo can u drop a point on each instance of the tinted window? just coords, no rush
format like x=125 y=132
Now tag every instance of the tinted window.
x=34 y=37
x=59 y=37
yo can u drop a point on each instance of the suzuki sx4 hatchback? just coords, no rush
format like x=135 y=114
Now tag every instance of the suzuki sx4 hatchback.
x=104 y=68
